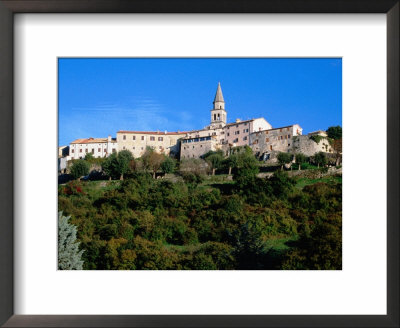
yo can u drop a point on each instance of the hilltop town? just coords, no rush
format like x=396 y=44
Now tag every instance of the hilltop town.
x=265 y=141
x=231 y=196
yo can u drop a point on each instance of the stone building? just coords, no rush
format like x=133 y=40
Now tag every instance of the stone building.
x=137 y=141
x=218 y=134
x=98 y=147
x=267 y=144
x=238 y=133
x=272 y=140
x=195 y=147
x=318 y=133
x=309 y=146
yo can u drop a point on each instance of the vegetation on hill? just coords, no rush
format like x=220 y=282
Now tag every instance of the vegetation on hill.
x=199 y=221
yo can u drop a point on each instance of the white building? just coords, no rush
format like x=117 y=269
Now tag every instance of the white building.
x=98 y=147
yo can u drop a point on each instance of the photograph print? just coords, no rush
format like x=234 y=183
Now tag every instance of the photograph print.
x=199 y=164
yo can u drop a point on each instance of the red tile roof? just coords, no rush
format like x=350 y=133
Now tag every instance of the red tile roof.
x=91 y=140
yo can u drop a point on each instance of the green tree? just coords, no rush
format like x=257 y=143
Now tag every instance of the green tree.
x=282 y=184
x=124 y=157
x=110 y=166
x=152 y=161
x=284 y=158
x=215 y=161
x=334 y=132
x=89 y=157
x=249 y=247
x=320 y=158
x=168 y=165
x=69 y=255
x=231 y=162
x=80 y=168
x=117 y=164
x=247 y=170
x=300 y=159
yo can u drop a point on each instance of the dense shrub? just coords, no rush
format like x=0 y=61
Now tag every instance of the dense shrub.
x=145 y=223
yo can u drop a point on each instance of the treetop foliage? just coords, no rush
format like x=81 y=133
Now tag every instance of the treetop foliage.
x=80 y=168
x=334 y=132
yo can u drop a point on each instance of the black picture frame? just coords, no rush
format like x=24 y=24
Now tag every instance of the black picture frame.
x=7 y=10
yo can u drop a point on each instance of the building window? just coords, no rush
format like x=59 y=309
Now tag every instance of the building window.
x=124 y=137
x=270 y=147
x=288 y=136
x=227 y=134
x=256 y=141
x=245 y=138
x=114 y=150
x=92 y=151
x=214 y=133
x=142 y=148
x=152 y=138
x=193 y=147
x=159 y=147
x=236 y=140
x=244 y=130
x=134 y=138
x=80 y=150
x=237 y=132
x=288 y=129
x=266 y=139
x=72 y=151
x=99 y=150
x=160 y=138
x=123 y=148
x=133 y=148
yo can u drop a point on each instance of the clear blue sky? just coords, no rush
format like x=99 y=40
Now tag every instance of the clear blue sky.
x=98 y=97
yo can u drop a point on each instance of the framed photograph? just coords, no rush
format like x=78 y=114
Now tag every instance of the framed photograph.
x=180 y=165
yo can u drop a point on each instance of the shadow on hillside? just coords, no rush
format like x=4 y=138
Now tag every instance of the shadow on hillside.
x=224 y=188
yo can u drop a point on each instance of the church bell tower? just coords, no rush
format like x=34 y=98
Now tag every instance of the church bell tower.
x=218 y=113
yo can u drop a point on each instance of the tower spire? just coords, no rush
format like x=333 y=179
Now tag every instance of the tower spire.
x=218 y=96
x=218 y=113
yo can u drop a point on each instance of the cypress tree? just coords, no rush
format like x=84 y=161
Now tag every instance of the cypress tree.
x=69 y=255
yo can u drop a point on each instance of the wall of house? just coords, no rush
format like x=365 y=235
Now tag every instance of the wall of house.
x=196 y=147
x=271 y=142
x=274 y=140
x=260 y=124
x=238 y=133
x=97 y=149
x=136 y=142
x=308 y=147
